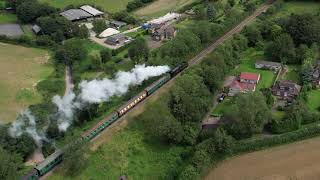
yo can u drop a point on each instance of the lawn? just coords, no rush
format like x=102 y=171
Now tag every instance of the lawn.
x=222 y=107
x=20 y=70
x=248 y=59
x=293 y=74
x=278 y=115
x=7 y=18
x=161 y=7
x=107 y=5
x=299 y=7
x=314 y=100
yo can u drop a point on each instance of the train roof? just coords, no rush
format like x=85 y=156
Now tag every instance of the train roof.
x=49 y=159
x=98 y=124
x=157 y=82
x=131 y=100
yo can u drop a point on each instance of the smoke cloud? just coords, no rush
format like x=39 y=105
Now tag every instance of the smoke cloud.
x=26 y=123
x=97 y=91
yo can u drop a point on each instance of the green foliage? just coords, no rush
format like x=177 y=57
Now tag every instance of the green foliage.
x=50 y=87
x=189 y=173
x=248 y=116
x=135 y=4
x=138 y=50
x=74 y=159
x=306 y=73
x=189 y=98
x=304 y=28
x=29 y=11
x=124 y=16
x=253 y=35
x=105 y=55
x=99 y=25
x=211 y=12
x=10 y=163
x=282 y=49
x=71 y=51
x=96 y=60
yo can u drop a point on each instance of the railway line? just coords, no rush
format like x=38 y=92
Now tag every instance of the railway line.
x=53 y=160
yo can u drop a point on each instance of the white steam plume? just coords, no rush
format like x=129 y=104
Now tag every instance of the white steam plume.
x=97 y=91
x=26 y=124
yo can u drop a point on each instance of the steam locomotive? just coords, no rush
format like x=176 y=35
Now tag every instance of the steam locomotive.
x=54 y=159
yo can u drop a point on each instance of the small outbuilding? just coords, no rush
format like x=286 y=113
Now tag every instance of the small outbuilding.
x=108 y=32
x=117 y=24
x=91 y=10
x=116 y=39
x=36 y=29
x=274 y=66
x=76 y=14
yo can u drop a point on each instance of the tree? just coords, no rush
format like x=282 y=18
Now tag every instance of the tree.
x=99 y=25
x=232 y=2
x=10 y=163
x=74 y=159
x=189 y=173
x=253 y=35
x=81 y=31
x=248 y=115
x=282 y=49
x=138 y=50
x=268 y=95
x=71 y=51
x=222 y=141
x=213 y=77
x=303 y=28
x=105 y=55
x=95 y=60
x=29 y=11
x=306 y=73
x=189 y=98
x=211 y=12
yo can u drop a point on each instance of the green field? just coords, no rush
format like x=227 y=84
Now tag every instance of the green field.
x=7 y=18
x=161 y=7
x=248 y=59
x=106 y=5
x=20 y=70
x=314 y=100
x=131 y=152
x=299 y=7
x=222 y=107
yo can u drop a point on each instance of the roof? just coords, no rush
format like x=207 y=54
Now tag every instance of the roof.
x=75 y=14
x=165 y=18
x=109 y=32
x=91 y=10
x=269 y=63
x=11 y=30
x=36 y=28
x=49 y=159
x=250 y=76
x=118 y=23
x=242 y=86
x=116 y=37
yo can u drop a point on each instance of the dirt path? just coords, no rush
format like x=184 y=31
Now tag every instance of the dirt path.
x=298 y=161
x=68 y=81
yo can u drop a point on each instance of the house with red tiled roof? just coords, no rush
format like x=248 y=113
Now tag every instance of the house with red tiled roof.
x=246 y=82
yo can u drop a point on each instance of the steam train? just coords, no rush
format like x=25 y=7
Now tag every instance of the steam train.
x=54 y=159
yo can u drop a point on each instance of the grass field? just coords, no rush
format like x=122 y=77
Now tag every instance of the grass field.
x=314 y=100
x=293 y=74
x=7 y=18
x=296 y=161
x=299 y=7
x=129 y=152
x=161 y=7
x=20 y=70
x=248 y=59
x=107 y=5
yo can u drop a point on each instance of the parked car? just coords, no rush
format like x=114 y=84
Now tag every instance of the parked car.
x=222 y=97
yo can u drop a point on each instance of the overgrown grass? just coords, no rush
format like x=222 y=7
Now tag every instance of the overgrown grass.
x=20 y=70
x=7 y=18
x=107 y=5
x=293 y=74
x=248 y=59
x=313 y=102
x=299 y=7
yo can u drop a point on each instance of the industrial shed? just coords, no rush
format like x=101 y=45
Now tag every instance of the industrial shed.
x=91 y=10
x=11 y=30
x=75 y=14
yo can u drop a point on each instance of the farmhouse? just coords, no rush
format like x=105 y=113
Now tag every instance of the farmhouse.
x=245 y=83
x=91 y=10
x=117 y=24
x=286 y=90
x=11 y=30
x=164 y=32
x=117 y=39
x=76 y=14
x=316 y=75
x=274 y=66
